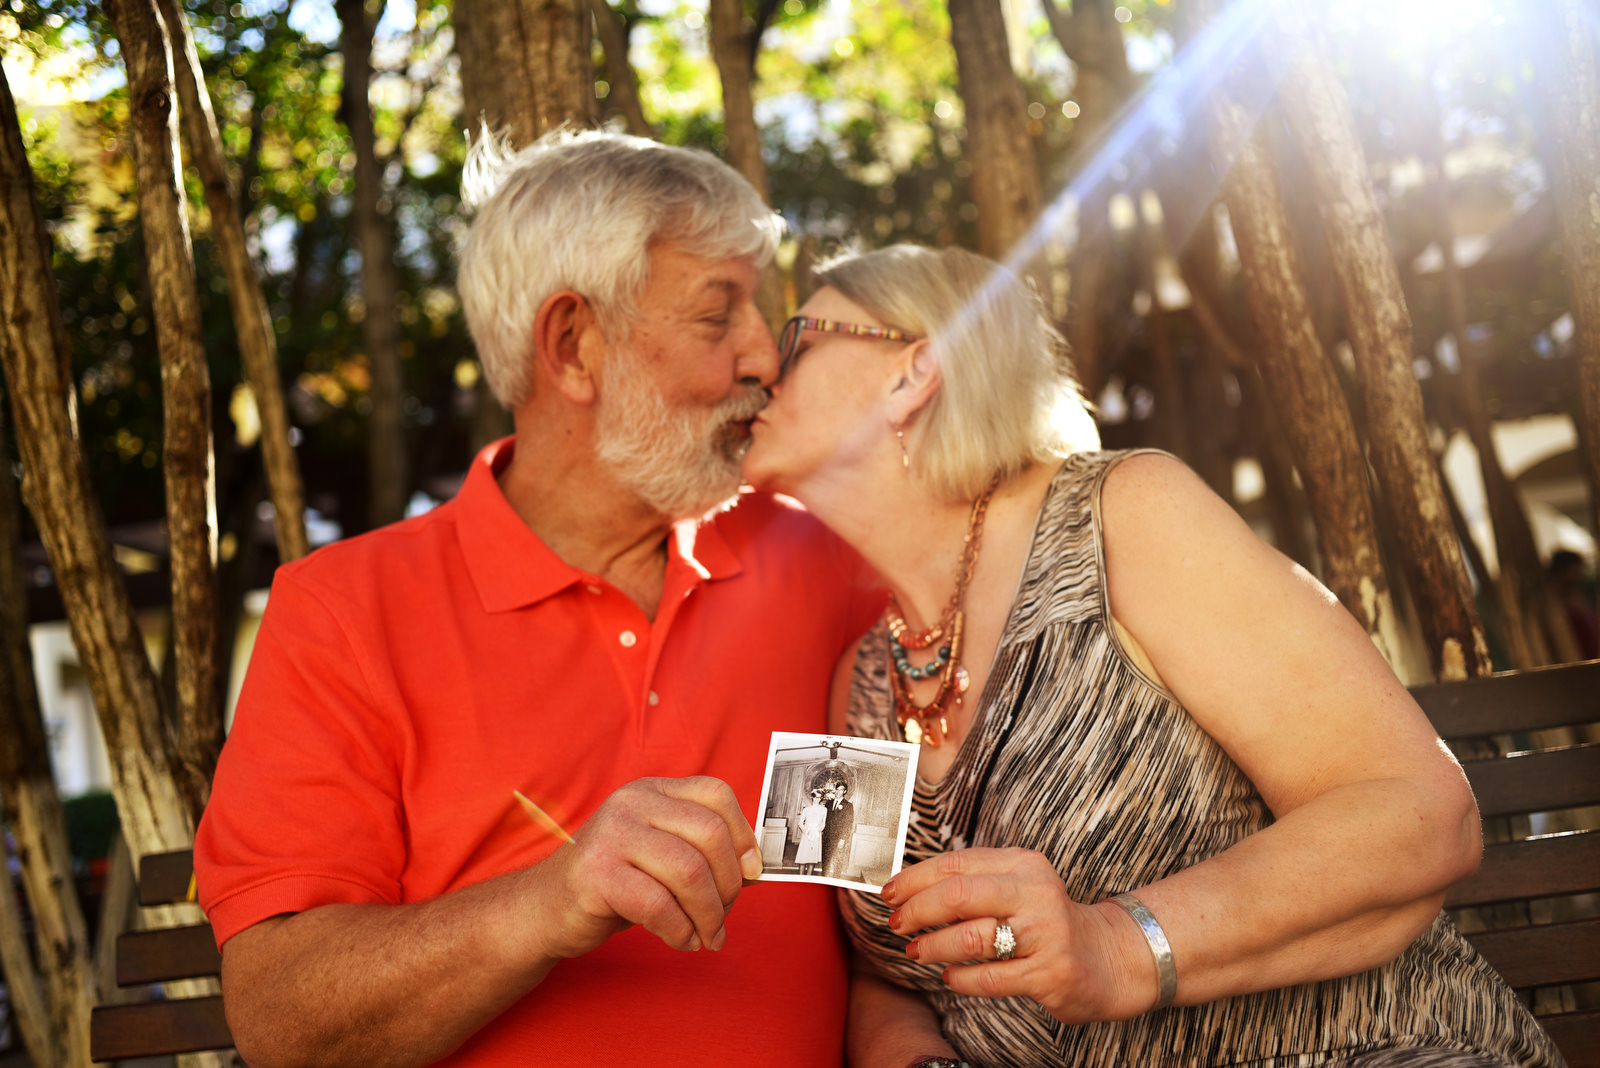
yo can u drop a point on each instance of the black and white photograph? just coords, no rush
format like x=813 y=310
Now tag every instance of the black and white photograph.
x=834 y=809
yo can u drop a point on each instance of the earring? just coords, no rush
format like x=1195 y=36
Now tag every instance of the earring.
x=905 y=457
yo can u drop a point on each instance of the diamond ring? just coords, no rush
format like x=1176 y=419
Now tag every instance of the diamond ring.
x=1005 y=942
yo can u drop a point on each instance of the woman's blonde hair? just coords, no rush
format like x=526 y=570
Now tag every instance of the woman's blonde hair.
x=1009 y=395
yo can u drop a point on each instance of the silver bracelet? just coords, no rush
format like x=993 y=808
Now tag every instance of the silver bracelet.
x=1160 y=948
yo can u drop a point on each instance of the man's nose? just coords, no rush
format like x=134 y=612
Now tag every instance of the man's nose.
x=758 y=353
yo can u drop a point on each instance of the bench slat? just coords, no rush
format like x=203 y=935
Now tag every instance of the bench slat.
x=157 y=1028
x=1537 y=782
x=158 y=955
x=1577 y=1035
x=1560 y=696
x=1545 y=955
x=1540 y=867
x=164 y=877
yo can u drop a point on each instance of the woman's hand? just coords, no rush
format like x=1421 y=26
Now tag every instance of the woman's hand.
x=1080 y=962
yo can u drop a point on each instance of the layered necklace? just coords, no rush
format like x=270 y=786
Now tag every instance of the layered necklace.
x=929 y=723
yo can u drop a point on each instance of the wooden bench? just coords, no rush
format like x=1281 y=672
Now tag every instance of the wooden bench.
x=161 y=955
x=1533 y=908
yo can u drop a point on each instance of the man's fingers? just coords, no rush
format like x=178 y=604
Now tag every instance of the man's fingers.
x=670 y=855
x=684 y=875
x=641 y=899
x=707 y=830
x=718 y=796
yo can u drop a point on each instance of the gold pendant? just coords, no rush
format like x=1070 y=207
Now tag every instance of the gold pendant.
x=913 y=730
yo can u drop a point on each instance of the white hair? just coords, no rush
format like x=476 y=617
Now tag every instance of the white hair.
x=1009 y=395
x=580 y=210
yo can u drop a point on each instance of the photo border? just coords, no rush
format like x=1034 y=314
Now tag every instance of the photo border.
x=782 y=740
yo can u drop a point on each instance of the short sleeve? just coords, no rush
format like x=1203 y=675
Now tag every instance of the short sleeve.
x=305 y=808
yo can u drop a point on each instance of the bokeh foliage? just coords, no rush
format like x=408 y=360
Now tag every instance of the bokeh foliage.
x=864 y=134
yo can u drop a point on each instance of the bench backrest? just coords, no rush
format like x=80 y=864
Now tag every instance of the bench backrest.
x=1530 y=745
x=166 y=1025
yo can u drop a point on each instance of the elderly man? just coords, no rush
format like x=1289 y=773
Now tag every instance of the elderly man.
x=572 y=628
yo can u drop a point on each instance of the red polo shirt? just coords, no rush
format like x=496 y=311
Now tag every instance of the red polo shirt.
x=404 y=683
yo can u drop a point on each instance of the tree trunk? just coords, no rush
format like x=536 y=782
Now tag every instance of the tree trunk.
x=1521 y=574
x=33 y=348
x=734 y=53
x=59 y=1034
x=1284 y=500
x=525 y=65
x=613 y=34
x=1005 y=175
x=24 y=986
x=525 y=69
x=1302 y=383
x=1380 y=334
x=119 y=912
x=1574 y=87
x=185 y=393
x=1217 y=436
x=387 y=479
x=1172 y=429
x=1092 y=39
x=258 y=346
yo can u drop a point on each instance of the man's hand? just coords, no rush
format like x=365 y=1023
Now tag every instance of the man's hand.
x=358 y=984
x=668 y=854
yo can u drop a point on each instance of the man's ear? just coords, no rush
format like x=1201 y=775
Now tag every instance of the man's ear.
x=567 y=342
x=918 y=379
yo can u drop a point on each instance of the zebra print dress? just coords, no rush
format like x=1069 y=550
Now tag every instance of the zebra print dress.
x=1078 y=754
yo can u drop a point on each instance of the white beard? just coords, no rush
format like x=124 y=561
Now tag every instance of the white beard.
x=681 y=462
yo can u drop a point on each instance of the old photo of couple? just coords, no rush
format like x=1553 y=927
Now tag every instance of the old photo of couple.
x=834 y=810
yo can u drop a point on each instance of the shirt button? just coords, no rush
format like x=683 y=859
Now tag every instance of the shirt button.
x=655 y=698
x=593 y=589
x=628 y=638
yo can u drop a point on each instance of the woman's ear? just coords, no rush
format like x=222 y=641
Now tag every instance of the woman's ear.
x=566 y=343
x=918 y=380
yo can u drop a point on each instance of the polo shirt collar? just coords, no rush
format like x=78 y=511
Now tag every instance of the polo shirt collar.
x=511 y=567
x=700 y=545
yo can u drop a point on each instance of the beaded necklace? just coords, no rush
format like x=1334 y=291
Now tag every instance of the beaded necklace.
x=930 y=722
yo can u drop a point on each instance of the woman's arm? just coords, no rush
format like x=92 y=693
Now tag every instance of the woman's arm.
x=1374 y=818
x=887 y=1026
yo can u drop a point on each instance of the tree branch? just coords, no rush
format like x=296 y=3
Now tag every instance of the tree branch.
x=614 y=31
x=765 y=9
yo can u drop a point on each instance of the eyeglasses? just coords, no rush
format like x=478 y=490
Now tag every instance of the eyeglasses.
x=789 y=340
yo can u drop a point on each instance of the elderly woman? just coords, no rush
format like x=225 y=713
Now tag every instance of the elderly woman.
x=1172 y=808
